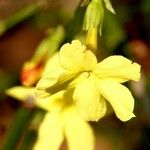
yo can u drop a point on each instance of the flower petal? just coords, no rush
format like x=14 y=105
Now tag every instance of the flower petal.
x=46 y=81
x=90 y=104
x=50 y=133
x=90 y=61
x=53 y=78
x=71 y=55
x=119 y=97
x=48 y=86
x=21 y=92
x=74 y=57
x=78 y=133
x=78 y=79
x=51 y=74
x=52 y=64
x=52 y=103
x=118 y=68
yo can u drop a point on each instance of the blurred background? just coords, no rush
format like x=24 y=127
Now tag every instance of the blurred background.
x=23 y=25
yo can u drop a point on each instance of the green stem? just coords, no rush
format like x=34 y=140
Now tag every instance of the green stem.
x=17 y=17
x=17 y=127
x=29 y=140
x=30 y=135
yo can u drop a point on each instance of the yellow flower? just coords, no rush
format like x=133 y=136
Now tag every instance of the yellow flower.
x=61 y=121
x=93 y=83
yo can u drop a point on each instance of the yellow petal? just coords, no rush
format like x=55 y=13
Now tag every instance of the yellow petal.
x=52 y=64
x=51 y=73
x=50 y=76
x=74 y=57
x=71 y=55
x=90 y=104
x=46 y=81
x=119 y=97
x=21 y=93
x=78 y=133
x=53 y=77
x=52 y=103
x=78 y=79
x=118 y=68
x=48 y=86
x=90 y=61
x=50 y=135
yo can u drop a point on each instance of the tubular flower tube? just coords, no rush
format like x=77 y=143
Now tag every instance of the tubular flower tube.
x=61 y=121
x=75 y=67
x=91 y=39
